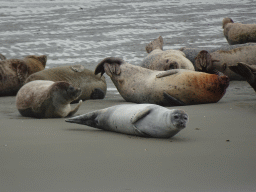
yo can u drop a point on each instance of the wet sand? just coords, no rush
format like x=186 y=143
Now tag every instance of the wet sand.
x=216 y=152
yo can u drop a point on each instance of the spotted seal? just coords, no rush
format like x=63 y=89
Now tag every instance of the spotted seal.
x=47 y=99
x=167 y=88
x=92 y=86
x=145 y=120
x=160 y=60
x=13 y=72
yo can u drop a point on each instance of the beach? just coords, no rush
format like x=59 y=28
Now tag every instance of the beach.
x=215 y=152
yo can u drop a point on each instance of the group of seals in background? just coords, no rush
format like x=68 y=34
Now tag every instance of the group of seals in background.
x=168 y=78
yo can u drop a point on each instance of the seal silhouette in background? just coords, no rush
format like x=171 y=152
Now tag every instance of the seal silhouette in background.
x=92 y=86
x=160 y=60
x=145 y=120
x=47 y=99
x=13 y=72
x=238 y=33
x=167 y=88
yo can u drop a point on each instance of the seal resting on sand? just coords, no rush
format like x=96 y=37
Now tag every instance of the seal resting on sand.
x=247 y=71
x=238 y=33
x=167 y=88
x=13 y=72
x=47 y=99
x=145 y=120
x=92 y=86
x=220 y=60
x=160 y=60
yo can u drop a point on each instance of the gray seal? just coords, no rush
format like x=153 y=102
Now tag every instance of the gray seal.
x=92 y=86
x=238 y=33
x=47 y=99
x=168 y=88
x=145 y=120
x=160 y=60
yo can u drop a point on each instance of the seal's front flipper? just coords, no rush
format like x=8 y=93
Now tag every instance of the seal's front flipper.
x=141 y=114
x=77 y=68
x=72 y=112
x=155 y=44
x=86 y=119
x=171 y=101
x=169 y=72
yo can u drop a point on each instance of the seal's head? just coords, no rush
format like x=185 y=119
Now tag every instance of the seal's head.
x=226 y=21
x=179 y=119
x=66 y=90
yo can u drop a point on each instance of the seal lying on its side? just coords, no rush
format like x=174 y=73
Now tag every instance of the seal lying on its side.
x=145 y=120
x=13 y=72
x=47 y=99
x=160 y=60
x=220 y=60
x=246 y=71
x=92 y=86
x=238 y=33
x=191 y=52
x=173 y=87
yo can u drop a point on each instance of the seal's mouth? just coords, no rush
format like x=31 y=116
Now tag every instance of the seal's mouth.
x=224 y=80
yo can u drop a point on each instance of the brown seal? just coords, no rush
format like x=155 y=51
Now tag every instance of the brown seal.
x=92 y=86
x=221 y=60
x=173 y=87
x=13 y=72
x=238 y=33
x=47 y=99
x=247 y=71
x=160 y=60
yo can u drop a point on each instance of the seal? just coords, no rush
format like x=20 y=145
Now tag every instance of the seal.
x=192 y=52
x=247 y=71
x=13 y=72
x=92 y=86
x=167 y=88
x=160 y=60
x=47 y=99
x=220 y=60
x=238 y=33
x=145 y=120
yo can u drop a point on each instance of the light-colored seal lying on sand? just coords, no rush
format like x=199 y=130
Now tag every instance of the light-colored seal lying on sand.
x=160 y=60
x=247 y=71
x=238 y=33
x=167 y=88
x=220 y=60
x=192 y=52
x=92 y=86
x=47 y=99
x=13 y=72
x=145 y=120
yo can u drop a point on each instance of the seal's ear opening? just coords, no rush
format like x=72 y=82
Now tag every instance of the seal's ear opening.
x=108 y=60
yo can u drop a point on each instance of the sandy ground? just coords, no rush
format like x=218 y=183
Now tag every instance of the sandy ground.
x=216 y=152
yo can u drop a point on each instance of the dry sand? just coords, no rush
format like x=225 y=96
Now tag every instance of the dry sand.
x=216 y=152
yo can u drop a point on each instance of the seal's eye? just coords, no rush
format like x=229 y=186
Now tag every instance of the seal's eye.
x=185 y=118
x=71 y=88
x=176 y=117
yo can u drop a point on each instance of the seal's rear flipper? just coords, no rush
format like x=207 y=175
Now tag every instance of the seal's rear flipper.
x=171 y=101
x=155 y=44
x=110 y=61
x=204 y=62
x=246 y=71
x=86 y=119
x=2 y=57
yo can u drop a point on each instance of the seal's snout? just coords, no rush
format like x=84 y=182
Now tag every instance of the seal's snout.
x=224 y=80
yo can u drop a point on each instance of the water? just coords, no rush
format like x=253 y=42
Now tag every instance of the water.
x=87 y=31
